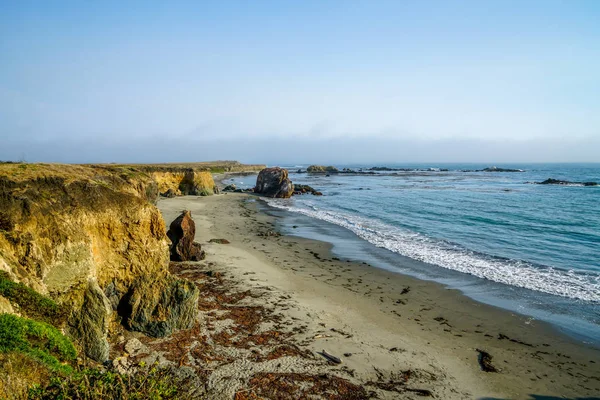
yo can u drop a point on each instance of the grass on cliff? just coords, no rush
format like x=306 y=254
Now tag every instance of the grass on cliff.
x=31 y=303
x=38 y=340
x=155 y=384
x=36 y=363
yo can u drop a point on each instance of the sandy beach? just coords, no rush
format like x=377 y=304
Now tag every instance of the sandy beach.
x=273 y=303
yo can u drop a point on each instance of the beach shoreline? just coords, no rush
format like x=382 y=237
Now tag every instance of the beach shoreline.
x=395 y=321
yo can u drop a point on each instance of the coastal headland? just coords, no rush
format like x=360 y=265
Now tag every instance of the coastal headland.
x=87 y=285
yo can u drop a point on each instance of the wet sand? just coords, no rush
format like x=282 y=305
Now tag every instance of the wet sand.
x=380 y=324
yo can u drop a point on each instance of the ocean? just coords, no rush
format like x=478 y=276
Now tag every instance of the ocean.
x=532 y=249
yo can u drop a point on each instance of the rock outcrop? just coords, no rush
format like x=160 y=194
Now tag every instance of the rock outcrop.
x=551 y=181
x=496 y=169
x=90 y=325
x=85 y=236
x=321 y=169
x=303 y=189
x=274 y=182
x=181 y=233
x=182 y=181
x=159 y=305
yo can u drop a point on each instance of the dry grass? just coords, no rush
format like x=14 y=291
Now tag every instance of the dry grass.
x=19 y=372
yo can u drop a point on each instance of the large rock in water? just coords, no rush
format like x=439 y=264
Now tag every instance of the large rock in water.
x=274 y=182
x=182 y=232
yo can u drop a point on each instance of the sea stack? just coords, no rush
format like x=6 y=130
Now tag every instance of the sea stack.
x=274 y=182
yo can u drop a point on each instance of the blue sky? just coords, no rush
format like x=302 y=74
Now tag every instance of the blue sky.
x=159 y=81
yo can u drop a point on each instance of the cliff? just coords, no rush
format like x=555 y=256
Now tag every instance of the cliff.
x=176 y=179
x=184 y=181
x=89 y=237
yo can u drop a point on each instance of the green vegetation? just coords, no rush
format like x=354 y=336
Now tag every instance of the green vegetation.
x=32 y=303
x=36 y=339
x=156 y=384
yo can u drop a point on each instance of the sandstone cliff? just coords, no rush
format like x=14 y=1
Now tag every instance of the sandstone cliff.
x=88 y=237
x=184 y=181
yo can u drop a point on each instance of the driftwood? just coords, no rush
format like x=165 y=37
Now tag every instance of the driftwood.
x=330 y=357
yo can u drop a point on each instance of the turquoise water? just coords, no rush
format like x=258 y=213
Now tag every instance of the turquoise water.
x=531 y=248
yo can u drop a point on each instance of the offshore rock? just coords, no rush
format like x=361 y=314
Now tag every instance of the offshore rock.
x=303 y=189
x=274 y=182
x=551 y=181
x=160 y=305
x=182 y=232
x=320 y=169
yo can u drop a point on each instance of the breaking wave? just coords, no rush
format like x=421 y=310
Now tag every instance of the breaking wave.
x=567 y=283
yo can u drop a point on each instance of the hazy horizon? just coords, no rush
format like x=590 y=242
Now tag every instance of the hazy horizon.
x=333 y=82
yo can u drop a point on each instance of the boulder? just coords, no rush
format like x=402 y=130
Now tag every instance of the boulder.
x=274 y=182
x=182 y=232
x=229 y=188
x=302 y=189
x=170 y=193
x=134 y=347
x=160 y=305
x=90 y=325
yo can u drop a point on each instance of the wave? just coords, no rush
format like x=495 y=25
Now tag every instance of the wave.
x=571 y=284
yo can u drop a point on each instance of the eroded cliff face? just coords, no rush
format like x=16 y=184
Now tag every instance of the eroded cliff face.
x=85 y=236
x=183 y=181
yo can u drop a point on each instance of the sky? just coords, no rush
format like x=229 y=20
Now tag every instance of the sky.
x=300 y=81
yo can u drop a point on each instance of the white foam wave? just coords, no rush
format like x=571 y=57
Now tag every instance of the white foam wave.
x=571 y=284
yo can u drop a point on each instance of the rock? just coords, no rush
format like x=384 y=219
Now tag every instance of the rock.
x=496 y=169
x=5 y=306
x=158 y=359
x=229 y=188
x=182 y=232
x=90 y=325
x=320 y=169
x=158 y=306
x=302 y=189
x=274 y=182
x=551 y=181
x=219 y=241
x=134 y=347
x=169 y=194
x=122 y=366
